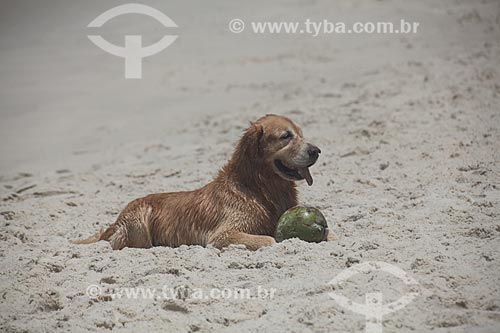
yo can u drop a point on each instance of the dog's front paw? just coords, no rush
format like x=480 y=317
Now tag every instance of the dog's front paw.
x=267 y=241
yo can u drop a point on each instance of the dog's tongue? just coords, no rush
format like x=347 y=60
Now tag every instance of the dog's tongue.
x=304 y=172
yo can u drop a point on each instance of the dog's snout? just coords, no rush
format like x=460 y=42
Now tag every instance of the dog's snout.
x=313 y=151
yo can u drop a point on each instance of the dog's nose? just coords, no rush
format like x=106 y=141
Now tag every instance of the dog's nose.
x=313 y=151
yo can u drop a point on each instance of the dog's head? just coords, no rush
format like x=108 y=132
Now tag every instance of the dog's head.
x=280 y=144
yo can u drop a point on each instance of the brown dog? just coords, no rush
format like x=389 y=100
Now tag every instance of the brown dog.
x=241 y=205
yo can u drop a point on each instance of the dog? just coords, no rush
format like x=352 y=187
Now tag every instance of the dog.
x=241 y=205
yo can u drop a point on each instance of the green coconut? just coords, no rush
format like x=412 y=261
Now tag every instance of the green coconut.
x=305 y=223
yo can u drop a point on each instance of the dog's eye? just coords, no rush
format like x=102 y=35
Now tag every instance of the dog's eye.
x=286 y=136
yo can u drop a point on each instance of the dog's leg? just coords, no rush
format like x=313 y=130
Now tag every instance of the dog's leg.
x=252 y=242
x=128 y=233
x=130 y=229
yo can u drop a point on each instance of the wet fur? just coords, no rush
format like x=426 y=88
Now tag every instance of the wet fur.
x=240 y=206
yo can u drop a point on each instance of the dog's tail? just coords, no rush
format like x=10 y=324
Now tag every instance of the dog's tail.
x=92 y=239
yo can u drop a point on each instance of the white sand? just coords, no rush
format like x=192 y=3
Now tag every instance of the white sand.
x=78 y=142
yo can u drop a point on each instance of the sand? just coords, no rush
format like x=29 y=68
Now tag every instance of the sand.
x=409 y=126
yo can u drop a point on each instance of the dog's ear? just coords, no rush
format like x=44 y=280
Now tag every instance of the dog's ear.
x=251 y=142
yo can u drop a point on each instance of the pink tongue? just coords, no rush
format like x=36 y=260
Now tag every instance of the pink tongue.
x=304 y=172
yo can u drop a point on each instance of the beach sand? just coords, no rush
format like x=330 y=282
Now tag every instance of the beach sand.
x=409 y=175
